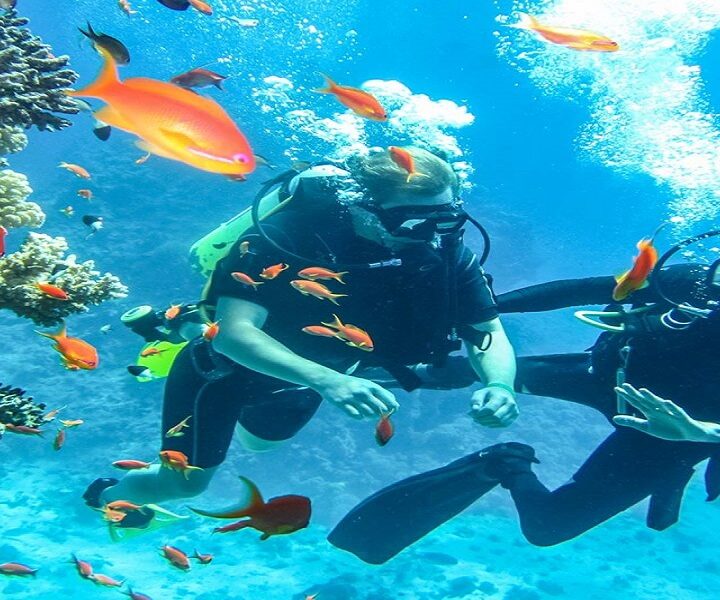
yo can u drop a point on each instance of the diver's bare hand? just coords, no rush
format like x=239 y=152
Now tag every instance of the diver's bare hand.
x=493 y=407
x=358 y=397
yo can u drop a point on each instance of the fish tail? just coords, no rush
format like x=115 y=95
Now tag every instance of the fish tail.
x=256 y=499
x=218 y=84
x=108 y=78
x=54 y=336
x=339 y=276
x=331 y=85
x=334 y=301
x=526 y=22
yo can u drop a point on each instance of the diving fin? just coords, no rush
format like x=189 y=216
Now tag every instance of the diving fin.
x=399 y=515
x=161 y=518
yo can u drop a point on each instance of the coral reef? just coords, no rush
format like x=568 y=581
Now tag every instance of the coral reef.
x=12 y=139
x=41 y=259
x=15 y=210
x=32 y=79
x=17 y=409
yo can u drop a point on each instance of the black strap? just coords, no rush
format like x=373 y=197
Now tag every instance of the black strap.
x=408 y=379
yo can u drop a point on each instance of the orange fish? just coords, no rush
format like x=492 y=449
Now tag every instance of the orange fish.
x=122 y=505
x=87 y=194
x=68 y=211
x=177 y=461
x=352 y=335
x=245 y=279
x=142 y=159
x=77 y=169
x=176 y=557
x=576 y=39
x=384 y=429
x=281 y=515
x=152 y=351
x=205 y=559
x=173 y=311
x=210 y=331
x=131 y=465
x=3 y=233
x=177 y=430
x=12 y=568
x=313 y=273
x=319 y=330
x=84 y=568
x=59 y=439
x=403 y=159
x=636 y=277
x=171 y=121
x=359 y=101
x=76 y=353
x=133 y=595
x=113 y=516
x=53 y=413
x=273 y=271
x=315 y=289
x=311 y=597
x=74 y=423
x=52 y=290
x=126 y=8
x=23 y=429
x=201 y=6
x=105 y=580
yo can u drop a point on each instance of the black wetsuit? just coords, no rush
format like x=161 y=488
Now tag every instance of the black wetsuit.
x=406 y=311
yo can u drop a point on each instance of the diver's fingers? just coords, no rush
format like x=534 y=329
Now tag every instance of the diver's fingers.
x=352 y=411
x=632 y=422
x=661 y=404
x=377 y=406
x=506 y=414
x=635 y=400
x=366 y=409
x=386 y=397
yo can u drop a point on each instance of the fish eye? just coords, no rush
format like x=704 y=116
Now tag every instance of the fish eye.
x=241 y=158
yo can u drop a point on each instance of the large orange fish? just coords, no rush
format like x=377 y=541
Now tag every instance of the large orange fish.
x=352 y=335
x=314 y=273
x=576 y=39
x=177 y=461
x=315 y=289
x=636 y=277
x=359 y=101
x=281 y=515
x=171 y=121
x=52 y=290
x=76 y=353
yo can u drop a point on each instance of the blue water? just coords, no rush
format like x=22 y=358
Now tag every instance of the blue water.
x=555 y=206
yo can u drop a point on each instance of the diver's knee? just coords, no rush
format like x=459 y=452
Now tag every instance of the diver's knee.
x=543 y=538
x=254 y=443
x=195 y=484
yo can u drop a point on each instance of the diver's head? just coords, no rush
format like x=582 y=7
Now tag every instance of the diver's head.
x=399 y=210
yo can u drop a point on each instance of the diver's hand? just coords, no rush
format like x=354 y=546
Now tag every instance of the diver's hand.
x=493 y=407
x=358 y=397
x=663 y=418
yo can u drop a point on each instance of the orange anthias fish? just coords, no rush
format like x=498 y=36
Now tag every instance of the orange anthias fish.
x=23 y=429
x=126 y=8
x=403 y=159
x=313 y=273
x=281 y=515
x=87 y=194
x=315 y=289
x=105 y=580
x=177 y=461
x=246 y=279
x=177 y=430
x=352 y=335
x=320 y=331
x=273 y=271
x=76 y=353
x=359 y=101
x=636 y=277
x=201 y=6
x=16 y=569
x=84 y=568
x=3 y=233
x=171 y=122
x=71 y=423
x=59 y=440
x=113 y=516
x=52 y=290
x=123 y=505
x=53 y=413
x=131 y=465
x=152 y=351
x=384 y=429
x=176 y=557
x=77 y=169
x=210 y=331
x=173 y=311
x=205 y=559
x=576 y=39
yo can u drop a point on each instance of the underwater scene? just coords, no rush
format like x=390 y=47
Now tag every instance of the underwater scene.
x=359 y=300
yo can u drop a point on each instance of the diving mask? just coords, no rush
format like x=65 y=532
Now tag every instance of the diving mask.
x=420 y=223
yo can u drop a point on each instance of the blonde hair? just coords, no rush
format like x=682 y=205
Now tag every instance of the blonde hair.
x=382 y=177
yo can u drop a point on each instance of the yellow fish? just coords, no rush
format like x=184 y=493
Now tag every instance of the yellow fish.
x=576 y=39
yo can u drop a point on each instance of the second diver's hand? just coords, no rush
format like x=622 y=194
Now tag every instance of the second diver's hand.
x=358 y=397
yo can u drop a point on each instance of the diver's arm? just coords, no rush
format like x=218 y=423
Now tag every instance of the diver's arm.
x=242 y=340
x=557 y=294
x=494 y=406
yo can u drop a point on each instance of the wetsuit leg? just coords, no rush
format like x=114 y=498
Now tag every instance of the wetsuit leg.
x=626 y=468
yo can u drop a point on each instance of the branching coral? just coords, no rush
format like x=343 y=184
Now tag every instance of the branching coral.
x=15 y=211
x=32 y=79
x=12 y=139
x=41 y=259
x=17 y=409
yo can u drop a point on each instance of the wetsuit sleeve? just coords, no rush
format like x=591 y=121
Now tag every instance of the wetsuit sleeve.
x=475 y=301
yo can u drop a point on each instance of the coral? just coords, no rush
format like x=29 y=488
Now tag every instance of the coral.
x=41 y=259
x=32 y=79
x=12 y=139
x=17 y=409
x=15 y=211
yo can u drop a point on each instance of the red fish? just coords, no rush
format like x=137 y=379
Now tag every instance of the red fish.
x=122 y=505
x=23 y=429
x=52 y=290
x=205 y=559
x=76 y=353
x=360 y=102
x=53 y=413
x=403 y=159
x=173 y=311
x=201 y=6
x=246 y=279
x=131 y=465
x=76 y=169
x=176 y=557
x=315 y=289
x=87 y=194
x=3 y=233
x=199 y=78
x=320 y=331
x=636 y=277
x=12 y=568
x=126 y=8
x=352 y=335
x=137 y=595
x=152 y=351
x=59 y=440
x=177 y=461
x=313 y=273
x=273 y=271
x=278 y=516
x=384 y=429
x=210 y=331
x=84 y=568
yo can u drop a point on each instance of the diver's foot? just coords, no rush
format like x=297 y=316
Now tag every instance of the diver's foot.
x=502 y=462
x=95 y=489
x=137 y=519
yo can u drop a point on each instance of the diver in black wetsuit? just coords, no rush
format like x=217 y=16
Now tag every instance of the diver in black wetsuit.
x=668 y=352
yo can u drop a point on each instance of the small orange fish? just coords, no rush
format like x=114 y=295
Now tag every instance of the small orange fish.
x=131 y=465
x=75 y=353
x=313 y=273
x=177 y=430
x=315 y=289
x=68 y=211
x=210 y=331
x=177 y=461
x=12 y=568
x=636 y=277
x=311 y=597
x=152 y=351
x=52 y=290
x=205 y=559
x=3 y=233
x=137 y=595
x=59 y=440
x=173 y=311
x=105 y=580
x=126 y=8
x=52 y=414
x=384 y=429
x=87 y=194
x=352 y=335
x=244 y=248
x=403 y=159
x=84 y=568
x=246 y=279
x=142 y=159
x=575 y=39
x=23 y=429
x=176 y=557
x=113 y=516
x=76 y=169
x=320 y=331
x=122 y=505
x=273 y=271
x=74 y=423
x=357 y=100
x=201 y=6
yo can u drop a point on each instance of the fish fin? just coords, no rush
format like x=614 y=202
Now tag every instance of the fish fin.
x=331 y=86
x=237 y=511
x=526 y=22
x=218 y=84
x=62 y=333
x=150 y=148
x=102 y=131
x=339 y=276
x=108 y=78
x=619 y=278
x=90 y=34
x=107 y=115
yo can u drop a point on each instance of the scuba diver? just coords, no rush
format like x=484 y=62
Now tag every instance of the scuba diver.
x=654 y=373
x=412 y=288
